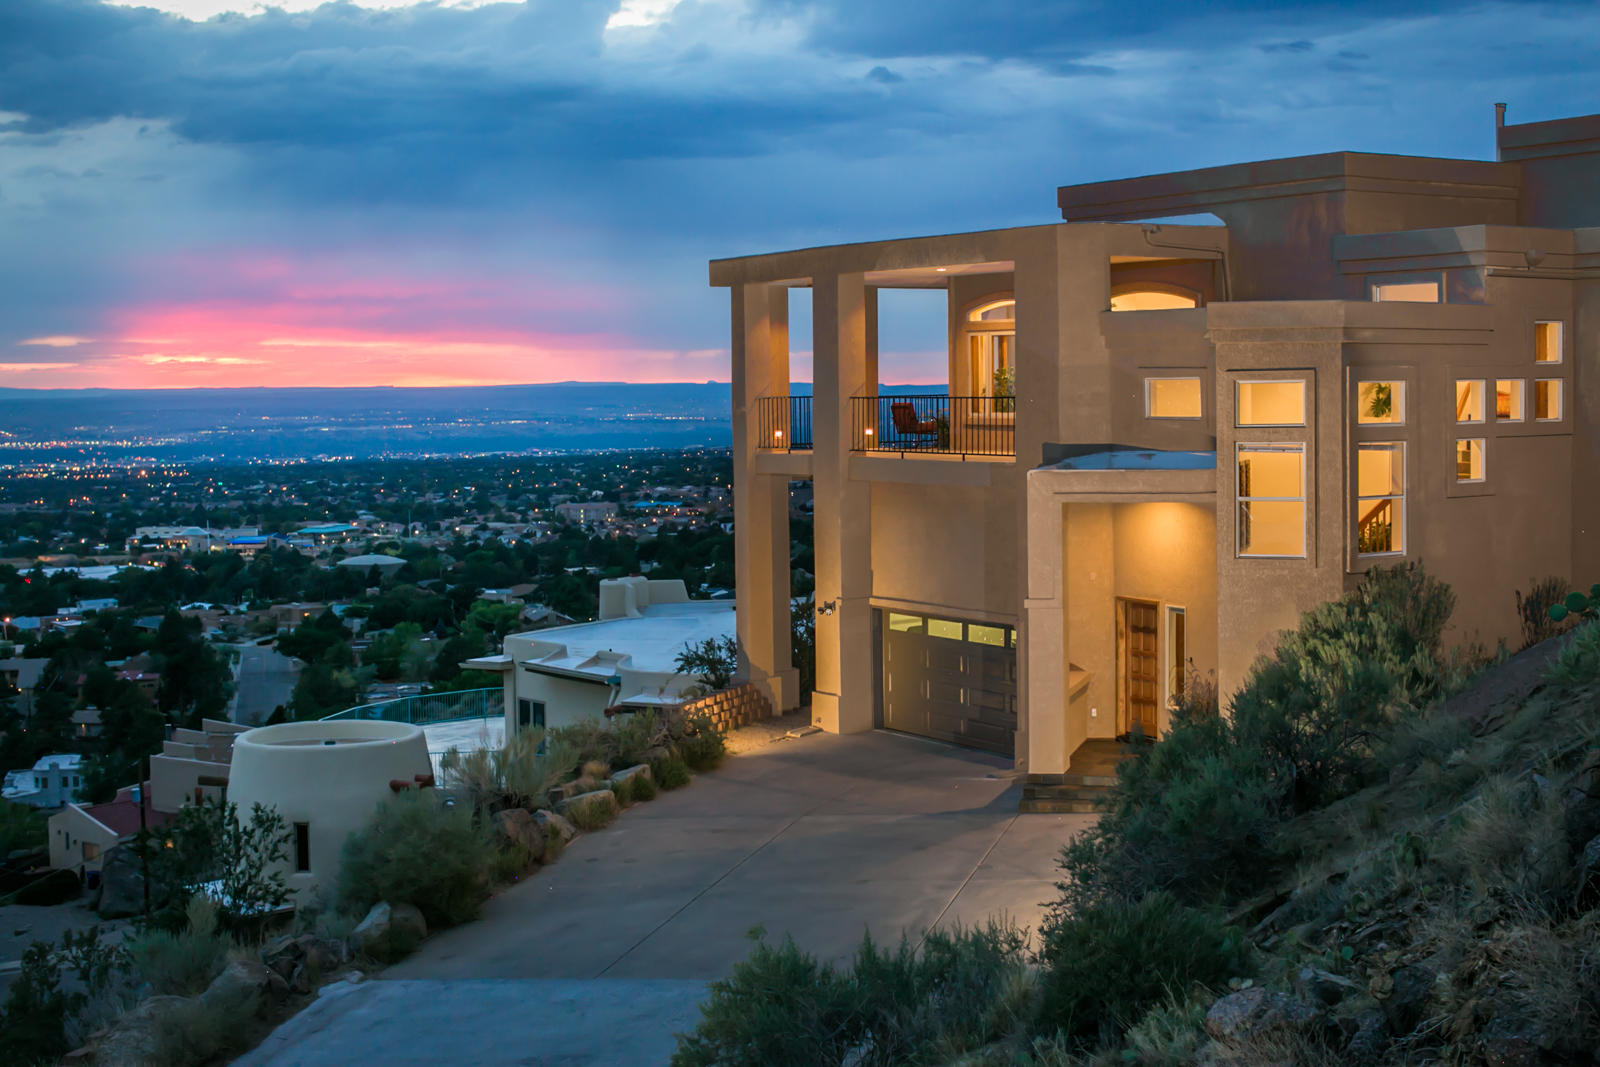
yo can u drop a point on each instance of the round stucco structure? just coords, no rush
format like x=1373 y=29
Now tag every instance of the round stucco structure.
x=326 y=776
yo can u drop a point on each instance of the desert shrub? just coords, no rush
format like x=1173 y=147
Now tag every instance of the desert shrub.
x=1552 y=976
x=195 y=1031
x=509 y=863
x=182 y=963
x=1108 y=965
x=642 y=788
x=22 y=828
x=700 y=743
x=1170 y=1034
x=589 y=740
x=670 y=772
x=418 y=850
x=962 y=989
x=712 y=661
x=598 y=769
x=37 y=1007
x=1510 y=840
x=591 y=817
x=1533 y=610
x=1578 y=662
x=633 y=736
x=209 y=842
x=518 y=774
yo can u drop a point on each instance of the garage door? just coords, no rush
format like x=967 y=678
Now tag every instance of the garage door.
x=950 y=679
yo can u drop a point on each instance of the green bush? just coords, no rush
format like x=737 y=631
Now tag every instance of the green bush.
x=1533 y=610
x=669 y=772
x=22 y=827
x=963 y=989
x=37 y=1007
x=195 y=1031
x=591 y=817
x=700 y=744
x=1108 y=965
x=518 y=774
x=641 y=787
x=183 y=963
x=509 y=863
x=1578 y=662
x=418 y=850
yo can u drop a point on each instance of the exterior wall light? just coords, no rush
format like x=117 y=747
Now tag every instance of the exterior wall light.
x=869 y=431
x=827 y=607
x=777 y=434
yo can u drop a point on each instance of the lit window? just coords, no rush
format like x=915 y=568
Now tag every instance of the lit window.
x=1469 y=459
x=986 y=635
x=1508 y=400
x=1406 y=292
x=1172 y=398
x=1279 y=403
x=994 y=311
x=1154 y=299
x=1272 y=500
x=1378 y=403
x=944 y=628
x=1177 y=655
x=1469 y=401
x=1547 y=399
x=1547 y=342
x=991 y=336
x=1380 y=498
x=906 y=624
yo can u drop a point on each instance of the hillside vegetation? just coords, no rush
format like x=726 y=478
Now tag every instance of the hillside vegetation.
x=1388 y=852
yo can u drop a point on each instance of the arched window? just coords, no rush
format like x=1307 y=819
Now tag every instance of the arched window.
x=1152 y=296
x=990 y=339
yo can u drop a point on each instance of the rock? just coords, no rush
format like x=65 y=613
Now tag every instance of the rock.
x=1316 y=986
x=597 y=806
x=1509 y=1042
x=133 y=1039
x=121 y=884
x=549 y=820
x=1591 y=856
x=1255 y=1012
x=575 y=788
x=1408 y=998
x=1371 y=1038
x=659 y=752
x=307 y=955
x=627 y=774
x=518 y=827
x=240 y=988
x=389 y=931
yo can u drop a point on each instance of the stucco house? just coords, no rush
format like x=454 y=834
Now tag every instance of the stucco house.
x=1159 y=443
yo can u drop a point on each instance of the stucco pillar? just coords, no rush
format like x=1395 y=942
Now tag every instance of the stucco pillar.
x=1043 y=686
x=761 y=501
x=844 y=366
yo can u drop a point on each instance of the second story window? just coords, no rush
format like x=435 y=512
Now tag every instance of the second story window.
x=1508 y=400
x=1380 y=403
x=1380 y=498
x=1547 y=342
x=1272 y=500
x=1405 y=292
x=1271 y=403
x=1469 y=401
x=1547 y=399
x=991 y=330
x=1172 y=398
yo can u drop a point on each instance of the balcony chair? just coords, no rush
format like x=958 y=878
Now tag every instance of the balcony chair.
x=906 y=423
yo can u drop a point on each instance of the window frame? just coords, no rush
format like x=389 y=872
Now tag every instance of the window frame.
x=1483 y=460
x=984 y=334
x=1176 y=680
x=1240 y=383
x=1200 y=387
x=1405 y=481
x=1397 y=400
x=1375 y=287
x=1239 y=499
x=1561 y=400
x=1483 y=402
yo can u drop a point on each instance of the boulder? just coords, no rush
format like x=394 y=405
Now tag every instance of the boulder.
x=515 y=826
x=121 y=884
x=1316 y=986
x=389 y=931
x=1255 y=1012
x=575 y=788
x=1408 y=998
x=597 y=806
x=549 y=820
x=1370 y=1039
x=241 y=987
x=308 y=955
x=627 y=774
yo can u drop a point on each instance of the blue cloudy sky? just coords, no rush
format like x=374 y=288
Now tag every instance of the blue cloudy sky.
x=204 y=192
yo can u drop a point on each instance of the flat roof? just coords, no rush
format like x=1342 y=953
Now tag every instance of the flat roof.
x=649 y=641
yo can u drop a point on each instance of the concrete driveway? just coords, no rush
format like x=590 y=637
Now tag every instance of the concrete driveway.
x=821 y=838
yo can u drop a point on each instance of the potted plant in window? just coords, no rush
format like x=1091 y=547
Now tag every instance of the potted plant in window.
x=1003 y=387
x=1380 y=400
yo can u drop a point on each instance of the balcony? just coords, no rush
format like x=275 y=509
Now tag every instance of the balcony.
x=934 y=424
x=783 y=423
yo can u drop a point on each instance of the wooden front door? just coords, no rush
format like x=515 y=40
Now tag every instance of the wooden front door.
x=1139 y=674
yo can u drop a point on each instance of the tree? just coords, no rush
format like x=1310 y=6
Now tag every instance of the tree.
x=712 y=661
x=131 y=728
x=243 y=859
x=323 y=689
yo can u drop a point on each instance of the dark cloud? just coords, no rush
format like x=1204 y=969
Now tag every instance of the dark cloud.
x=1287 y=46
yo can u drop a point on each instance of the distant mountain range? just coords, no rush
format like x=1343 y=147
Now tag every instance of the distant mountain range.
x=244 y=425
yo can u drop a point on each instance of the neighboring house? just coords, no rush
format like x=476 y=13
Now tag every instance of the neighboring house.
x=51 y=782
x=387 y=566
x=24 y=676
x=81 y=834
x=588 y=512
x=1158 y=444
x=625 y=661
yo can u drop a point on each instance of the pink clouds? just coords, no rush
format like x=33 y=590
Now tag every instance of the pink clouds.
x=273 y=320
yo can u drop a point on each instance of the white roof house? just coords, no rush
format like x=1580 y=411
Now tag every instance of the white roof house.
x=385 y=564
x=51 y=782
x=625 y=659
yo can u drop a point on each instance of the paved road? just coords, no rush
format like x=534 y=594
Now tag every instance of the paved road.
x=264 y=680
x=821 y=838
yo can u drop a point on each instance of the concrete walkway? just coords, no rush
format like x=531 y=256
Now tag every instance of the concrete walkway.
x=822 y=838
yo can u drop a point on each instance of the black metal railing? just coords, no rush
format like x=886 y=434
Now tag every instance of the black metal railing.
x=783 y=423
x=964 y=425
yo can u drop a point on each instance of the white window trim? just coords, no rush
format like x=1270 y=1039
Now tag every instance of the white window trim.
x=1271 y=446
x=1400 y=383
x=1561 y=342
x=1168 y=611
x=1483 y=451
x=1199 y=382
x=1483 y=401
x=1561 y=397
x=1304 y=399
x=1405 y=512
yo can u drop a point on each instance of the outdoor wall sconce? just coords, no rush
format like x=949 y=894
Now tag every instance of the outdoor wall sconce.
x=827 y=607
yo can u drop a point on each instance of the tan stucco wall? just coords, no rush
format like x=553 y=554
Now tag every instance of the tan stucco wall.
x=566 y=700
x=946 y=547
x=69 y=828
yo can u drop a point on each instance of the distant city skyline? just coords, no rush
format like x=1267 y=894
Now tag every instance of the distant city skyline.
x=432 y=194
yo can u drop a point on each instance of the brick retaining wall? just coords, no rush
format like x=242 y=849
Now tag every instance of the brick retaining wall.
x=732 y=708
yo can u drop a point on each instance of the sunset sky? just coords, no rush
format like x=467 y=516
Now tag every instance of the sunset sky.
x=236 y=193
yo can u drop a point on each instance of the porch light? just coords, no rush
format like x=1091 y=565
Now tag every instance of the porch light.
x=777 y=433
x=869 y=434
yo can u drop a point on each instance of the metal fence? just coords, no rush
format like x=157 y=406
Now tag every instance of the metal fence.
x=783 y=423
x=964 y=425
x=429 y=708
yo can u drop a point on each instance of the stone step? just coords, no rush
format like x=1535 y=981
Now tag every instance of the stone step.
x=1061 y=799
